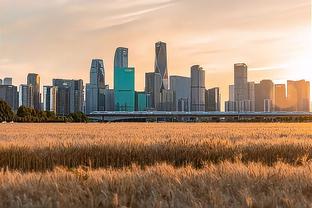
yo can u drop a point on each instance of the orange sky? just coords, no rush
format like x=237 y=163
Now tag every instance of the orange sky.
x=58 y=39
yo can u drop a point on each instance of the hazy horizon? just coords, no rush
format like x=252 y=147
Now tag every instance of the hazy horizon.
x=58 y=39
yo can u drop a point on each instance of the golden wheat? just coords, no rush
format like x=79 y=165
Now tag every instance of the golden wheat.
x=29 y=147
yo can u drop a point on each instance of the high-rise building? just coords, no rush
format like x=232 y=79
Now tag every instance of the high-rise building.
x=182 y=88
x=70 y=96
x=240 y=86
x=26 y=96
x=121 y=58
x=142 y=100
x=232 y=93
x=264 y=94
x=197 y=88
x=7 y=81
x=161 y=66
x=230 y=105
x=213 y=100
x=251 y=97
x=153 y=87
x=124 y=86
x=49 y=98
x=280 y=97
x=8 y=93
x=95 y=90
x=298 y=95
x=167 y=100
x=109 y=99
x=34 y=80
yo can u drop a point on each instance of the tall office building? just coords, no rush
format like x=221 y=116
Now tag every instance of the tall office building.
x=182 y=88
x=70 y=96
x=161 y=66
x=34 y=80
x=9 y=94
x=197 y=88
x=109 y=99
x=213 y=100
x=153 y=87
x=232 y=93
x=240 y=86
x=230 y=104
x=251 y=97
x=280 y=97
x=26 y=96
x=49 y=98
x=142 y=100
x=124 y=86
x=298 y=95
x=95 y=90
x=121 y=58
x=264 y=93
x=7 y=81
x=167 y=100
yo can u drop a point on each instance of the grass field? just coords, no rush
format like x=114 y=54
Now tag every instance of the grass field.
x=156 y=165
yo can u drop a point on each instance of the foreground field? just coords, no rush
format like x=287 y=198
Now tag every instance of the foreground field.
x=40 y=147
x=155 y=165
x=223 y=185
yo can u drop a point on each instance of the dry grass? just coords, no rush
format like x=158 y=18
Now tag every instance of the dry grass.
x=28 y=147
x=222 y=185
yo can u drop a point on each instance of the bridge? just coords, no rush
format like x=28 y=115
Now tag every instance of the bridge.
x=197 y=116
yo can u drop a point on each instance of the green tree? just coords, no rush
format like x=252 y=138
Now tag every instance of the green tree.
x=6 y=113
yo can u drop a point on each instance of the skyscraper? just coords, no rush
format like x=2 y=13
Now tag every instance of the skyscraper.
x=8 y=93
x=230 y=105
x=264 y=93
x=161 y=63
x=280 y=97
x=142 y=101
x=124 y=86
x=213 y=100
x=167 y=100
x=7 y=81
x=121 y=58
x=153 y=87
x=298 y=95
x=70 y=96
x=26 y=97
x=34 y=80
x=240 y=86
x=49 y=98
x=197 y=88
x=95 y=90
x=109 y=99
x=251 y=97
x=182 y=88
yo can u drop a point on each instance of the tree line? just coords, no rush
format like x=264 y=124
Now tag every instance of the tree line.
x=25 y=114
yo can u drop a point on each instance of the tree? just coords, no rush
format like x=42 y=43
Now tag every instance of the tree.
x=6 y=113
x=78 y=117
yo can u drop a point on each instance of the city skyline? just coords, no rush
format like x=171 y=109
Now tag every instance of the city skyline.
x=270 y=45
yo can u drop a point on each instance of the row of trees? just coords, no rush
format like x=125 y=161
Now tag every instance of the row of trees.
x=25 y=114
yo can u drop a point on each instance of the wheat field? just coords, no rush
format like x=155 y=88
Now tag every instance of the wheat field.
x=156 y=165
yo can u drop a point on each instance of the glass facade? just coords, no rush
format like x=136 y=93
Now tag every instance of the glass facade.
x=142 y=101
x=124 y=84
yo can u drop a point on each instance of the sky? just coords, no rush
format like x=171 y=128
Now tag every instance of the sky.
x=58 y=38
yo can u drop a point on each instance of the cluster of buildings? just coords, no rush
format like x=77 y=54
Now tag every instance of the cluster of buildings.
x=162 y=93
x=266 y=96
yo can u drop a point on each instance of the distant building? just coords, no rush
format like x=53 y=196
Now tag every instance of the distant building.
x=197 y=88
x=280 y=99
x=95 y=90
x=142 y=100
x=230 y=106
x=241 y=95
x=232 y=93
x=121 y=58
x=264 y=93
x=49 y=98
x=7 y=81
x=124 y=86
x=213 y=100
x=167 y=100
x=153 y=87
x=109 y=99
x=70 y=96
x=182 y=88
x=8 y=93
x=298 y=95
x=161 y=66
x=26 y=96
x=251 y=97
x=34 y=80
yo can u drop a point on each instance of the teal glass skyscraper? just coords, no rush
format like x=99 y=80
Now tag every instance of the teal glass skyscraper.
x=124 y=84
